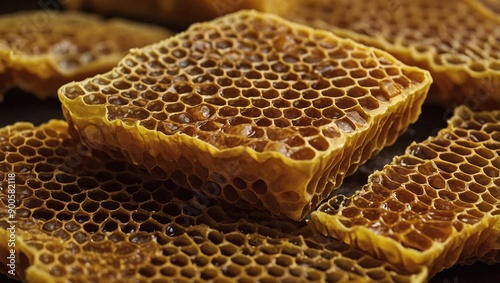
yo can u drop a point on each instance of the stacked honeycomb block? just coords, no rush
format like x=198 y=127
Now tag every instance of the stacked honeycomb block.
x=84 y=217
x=249 y=108
x=436 y=205
x=457 y=41
x=41 y=50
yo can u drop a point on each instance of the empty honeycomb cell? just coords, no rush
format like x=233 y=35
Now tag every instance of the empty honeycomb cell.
x=103 y=220
x=300 y=122
x=419 y=213
x=463 y=59
x=40 y=51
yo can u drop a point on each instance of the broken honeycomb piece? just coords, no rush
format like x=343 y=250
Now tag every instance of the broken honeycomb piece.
x=175 y=13
x=436 y=205
x=457 y=43
x=84 y=217
x=40 y=50
x=270 y=114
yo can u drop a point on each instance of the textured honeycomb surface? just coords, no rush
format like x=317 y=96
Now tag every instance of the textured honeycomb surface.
x=40 y=50
x=176 y=13
x=435 y=205
x=271 y=114
x=83 y=217
x=458 y=44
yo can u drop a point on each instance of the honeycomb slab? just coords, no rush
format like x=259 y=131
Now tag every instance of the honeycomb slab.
x=457 y=41
x=249 y=108
x=436 y=205
x=40 y=50
x=84 y=217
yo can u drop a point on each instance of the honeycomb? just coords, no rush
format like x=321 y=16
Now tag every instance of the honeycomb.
x=457 y=42
x=266 y=113
x=175 y=13
x=40 y=51
x=436 y=205
x=84 y=217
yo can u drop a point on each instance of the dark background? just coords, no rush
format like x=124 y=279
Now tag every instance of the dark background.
x=21 y=106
